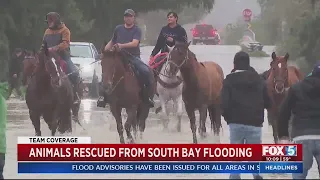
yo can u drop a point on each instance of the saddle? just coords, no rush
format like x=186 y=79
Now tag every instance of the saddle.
x=62 y=64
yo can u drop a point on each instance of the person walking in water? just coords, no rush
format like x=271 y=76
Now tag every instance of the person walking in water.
x=244 y=98
x=15 y=72
x=303 y=104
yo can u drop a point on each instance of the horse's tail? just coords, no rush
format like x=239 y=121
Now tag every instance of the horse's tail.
x=215 y=118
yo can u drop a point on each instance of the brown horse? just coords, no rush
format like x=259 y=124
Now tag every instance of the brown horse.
x=281 y=77
x=201 y=89
x=122 y=88
x=29 y=66
x=49 y=95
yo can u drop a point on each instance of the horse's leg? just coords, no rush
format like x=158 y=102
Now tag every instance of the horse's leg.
x=179 y=104
x=203 y=119
x=131 y=119
x=116 y=112
x=273 y=121
x=35 y=119
x=192 y=118
x=50 y=119
x=217 y=118
x=269 y=117
x=165 y=113
x=142 y=116
x=75 y=114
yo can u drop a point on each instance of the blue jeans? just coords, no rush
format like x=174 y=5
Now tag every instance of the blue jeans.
x=244 y=134
x=2 y=163
x=72 y=68
x=144 y=73
x=311 y=148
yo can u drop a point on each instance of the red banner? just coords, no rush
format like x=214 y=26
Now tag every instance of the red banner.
x=159 y=152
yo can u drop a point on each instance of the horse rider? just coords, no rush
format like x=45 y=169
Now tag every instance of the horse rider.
x=127 y=37
x=15 y=72
x=169 y=35
x=57 y=38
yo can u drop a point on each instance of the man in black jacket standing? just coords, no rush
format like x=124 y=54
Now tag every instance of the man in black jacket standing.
x=15 y=72
x=303 y=101
x=244 y=98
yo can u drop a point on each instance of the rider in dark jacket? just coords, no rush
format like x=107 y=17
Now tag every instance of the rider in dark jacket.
x=169 y=35
x=57 y=38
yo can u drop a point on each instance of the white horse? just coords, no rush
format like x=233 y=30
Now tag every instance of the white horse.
x=170 y=88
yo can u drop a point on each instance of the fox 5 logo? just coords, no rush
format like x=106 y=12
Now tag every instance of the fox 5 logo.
x=275 y=150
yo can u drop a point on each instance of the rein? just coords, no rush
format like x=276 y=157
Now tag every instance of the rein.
x=170 y=85
x=183 y=62
x=285 y=82
x=166 y=57
x=115 y=86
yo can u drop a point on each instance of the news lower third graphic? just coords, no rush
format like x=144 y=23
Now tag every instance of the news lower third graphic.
x=159 y=167
x=66 y=155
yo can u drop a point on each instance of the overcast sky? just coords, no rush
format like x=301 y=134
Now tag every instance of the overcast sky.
x=228 y=11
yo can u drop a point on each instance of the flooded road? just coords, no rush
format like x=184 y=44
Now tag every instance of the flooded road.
x=100 y=124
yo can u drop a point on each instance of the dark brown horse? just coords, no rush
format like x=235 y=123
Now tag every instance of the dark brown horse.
x=29 y=66
x=49 y=95
x=201 y=89
x=122 y=88
x=281 y=77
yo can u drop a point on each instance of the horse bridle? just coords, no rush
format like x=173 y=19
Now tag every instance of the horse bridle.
x=183 y=62
x=112 y=80
x=285 y=82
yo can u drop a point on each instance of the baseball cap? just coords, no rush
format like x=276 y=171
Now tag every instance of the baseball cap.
x=129 y=12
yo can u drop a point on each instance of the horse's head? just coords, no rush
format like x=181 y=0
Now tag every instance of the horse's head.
x=111 y=62
x=48 y=64
x=178 y=57
x=279 y=72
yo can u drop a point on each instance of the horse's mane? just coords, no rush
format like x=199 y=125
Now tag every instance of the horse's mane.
x=114 y=54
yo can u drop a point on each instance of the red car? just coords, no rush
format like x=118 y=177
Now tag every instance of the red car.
x=206 y=34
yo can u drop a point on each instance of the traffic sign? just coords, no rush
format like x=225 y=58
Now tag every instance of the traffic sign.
x=247 y=13
x=249 y=26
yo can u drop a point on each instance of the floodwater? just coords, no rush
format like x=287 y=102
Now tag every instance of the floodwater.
x=101 y=127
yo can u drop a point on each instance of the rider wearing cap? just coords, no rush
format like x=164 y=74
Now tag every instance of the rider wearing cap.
x=57 y=38
x=127 y=37
x=170 y=34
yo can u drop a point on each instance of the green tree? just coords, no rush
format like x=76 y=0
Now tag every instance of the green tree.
x=22 y=22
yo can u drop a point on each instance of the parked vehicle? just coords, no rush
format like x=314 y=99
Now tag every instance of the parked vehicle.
x=206 y=34
x=83 y=54
x=248 y=41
